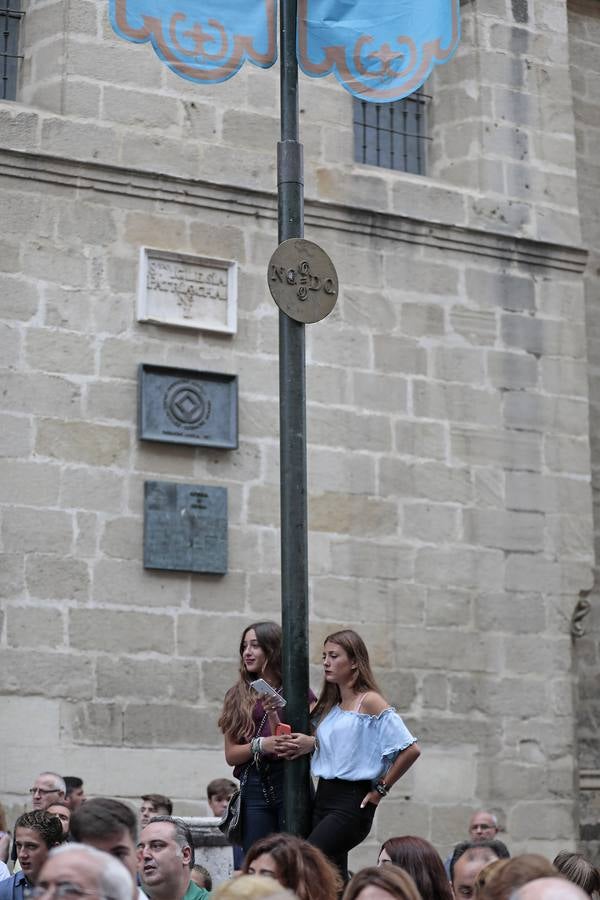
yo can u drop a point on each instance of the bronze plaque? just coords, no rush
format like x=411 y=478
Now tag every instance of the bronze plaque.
x=303 y=281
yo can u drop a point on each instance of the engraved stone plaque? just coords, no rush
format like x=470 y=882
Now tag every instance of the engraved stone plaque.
x=185 y=527
x=183 y=406
x=187 y=291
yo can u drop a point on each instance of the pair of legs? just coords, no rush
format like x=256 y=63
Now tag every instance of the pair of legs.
x=339 y=824
x=262 y=803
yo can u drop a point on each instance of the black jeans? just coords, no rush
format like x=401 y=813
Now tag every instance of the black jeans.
x=339 y=824
x=262 y=815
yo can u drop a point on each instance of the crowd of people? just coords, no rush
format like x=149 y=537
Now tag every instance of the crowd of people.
x=67 y=846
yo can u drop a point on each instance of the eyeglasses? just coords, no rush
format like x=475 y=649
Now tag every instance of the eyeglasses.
x=481 y=827
x=64 y=890
x=34 y=791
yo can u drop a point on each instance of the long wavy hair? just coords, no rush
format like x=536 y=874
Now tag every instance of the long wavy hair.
x=364 y=680
x=300 y=867
x=395 y=881
x=236 y=716
x=422 y=862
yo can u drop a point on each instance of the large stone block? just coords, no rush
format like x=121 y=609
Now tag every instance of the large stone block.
x=506 y=530
x=544 y=820
x=375 y=600
x=16 y=436
x=346 y=428
x=430 y=481
x=83 y=442
x=532 y=572
x=94 y=724
x=332 y=470
x=510 y=612
x=125 y=582
x=111 y=400
x=566 y=454
x=466 y=652
x=509 y=449
x=21 y=712
x=12 y=577
x=38 y=394
x=514 y=371
x=352 y=514
x=441 y=776
x=521 y=698
x=399 y=354
x=379 y=393
x=502 y=289
x=214 y=635
x=455 y=402
x=222 y=593
x=448 y=607
x=476 y=326
x=116 y=631
x=430 y=522
x=147 y=679
x=25 y=672
x=536 y=412
x=421 y=439
x=57 y=578
x=37 y=530
x=35 y=626
x=31 y=483
x=458 y=364
x=372 y=559
x=167 y=725
x=459 y=566
x=92 y=489
x=543 y=337
x=123 y=538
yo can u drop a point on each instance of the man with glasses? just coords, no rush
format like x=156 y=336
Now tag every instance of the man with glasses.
x=483 y=826
x=48 y=788
x=35 y=834
x=74 y=872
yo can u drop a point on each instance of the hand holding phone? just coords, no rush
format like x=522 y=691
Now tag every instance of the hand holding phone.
x=282 y=728
x=264 y=688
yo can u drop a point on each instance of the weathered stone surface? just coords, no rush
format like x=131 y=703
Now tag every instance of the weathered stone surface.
x=114 y=631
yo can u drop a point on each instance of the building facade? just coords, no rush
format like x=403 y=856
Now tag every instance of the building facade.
x=452 y=415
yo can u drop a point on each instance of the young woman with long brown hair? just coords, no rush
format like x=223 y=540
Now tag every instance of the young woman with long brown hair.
x=248 y=723
x=361 y=747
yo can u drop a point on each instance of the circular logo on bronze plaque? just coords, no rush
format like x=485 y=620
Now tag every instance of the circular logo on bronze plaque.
x=186 y=405
x=303 y=281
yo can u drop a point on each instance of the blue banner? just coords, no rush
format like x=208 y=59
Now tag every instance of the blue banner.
x=379 y=50
x=202 y=40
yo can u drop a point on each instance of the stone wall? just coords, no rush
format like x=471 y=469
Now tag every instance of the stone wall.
x=450 y=502
x=584 y=28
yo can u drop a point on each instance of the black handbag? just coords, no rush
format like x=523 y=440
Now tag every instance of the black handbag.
x=231 y=820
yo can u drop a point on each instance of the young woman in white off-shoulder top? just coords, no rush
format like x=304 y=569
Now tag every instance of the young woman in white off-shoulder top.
x=360 y=747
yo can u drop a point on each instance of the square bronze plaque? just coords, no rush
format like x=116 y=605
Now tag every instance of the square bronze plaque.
x=185 y=527
x=184 y=406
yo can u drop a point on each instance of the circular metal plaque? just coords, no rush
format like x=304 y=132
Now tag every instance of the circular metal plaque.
x=303 y=281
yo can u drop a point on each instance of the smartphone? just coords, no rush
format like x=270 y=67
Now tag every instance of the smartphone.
x=282 y=728
x=264 y=688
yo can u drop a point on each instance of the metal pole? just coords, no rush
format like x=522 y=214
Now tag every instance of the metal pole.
x=292 y=430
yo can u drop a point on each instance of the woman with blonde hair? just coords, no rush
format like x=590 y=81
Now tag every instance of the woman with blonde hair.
x=381 y=883
x=361 y=747
x=251 y=887
x=296 y=864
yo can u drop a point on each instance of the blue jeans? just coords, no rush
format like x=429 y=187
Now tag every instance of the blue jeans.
x=260 y=817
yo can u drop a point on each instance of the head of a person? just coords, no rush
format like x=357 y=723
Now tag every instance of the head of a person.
x=219 y=792
x=154 y=805
x=515 y=873
x=295 y=864
x=422 y=862
x=165 y=857
x=202 y=877
x=87 y=872
x=483 y=826
x=48 y=788
x=64 y=814
x=260 y=652
x=550 y=888
x=468 y=859
x=579 y=870
x=74 y=793
x=36 y=833
x=251 y=887
x=381 y=883
x=109 y=826
x=345 y=661
x=489 y=871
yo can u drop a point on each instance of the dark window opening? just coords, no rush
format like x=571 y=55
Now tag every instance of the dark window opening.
x=10 y=21
x=392 y=135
